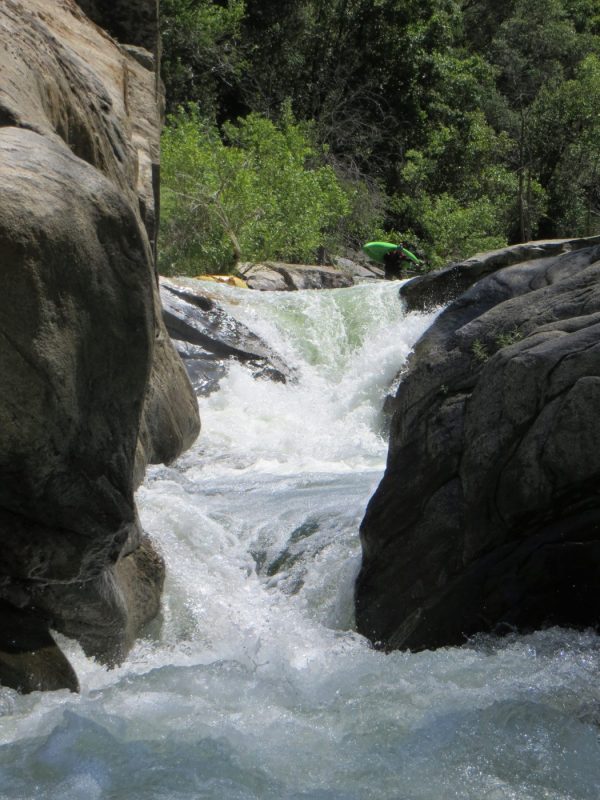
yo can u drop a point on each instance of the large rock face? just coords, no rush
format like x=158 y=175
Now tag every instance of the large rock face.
x=488 y=514
x=92 y=388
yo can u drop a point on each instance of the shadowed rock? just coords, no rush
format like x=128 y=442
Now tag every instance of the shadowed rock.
x=488 y=514
x=207 y=338
x=30 y=659
x=77 y=331
x=130 y=21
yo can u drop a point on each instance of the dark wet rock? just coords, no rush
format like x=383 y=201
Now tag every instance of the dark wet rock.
x=30 y=659
x=92 y=388
x=488 y=514
x=272 y=276
x=207 y=338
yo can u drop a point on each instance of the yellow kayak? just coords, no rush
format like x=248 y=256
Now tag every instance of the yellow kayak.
x=230 y=280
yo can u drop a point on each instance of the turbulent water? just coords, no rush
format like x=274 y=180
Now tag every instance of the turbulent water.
x=253 y=684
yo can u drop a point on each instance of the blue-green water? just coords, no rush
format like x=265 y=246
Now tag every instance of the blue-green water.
x=253 y=684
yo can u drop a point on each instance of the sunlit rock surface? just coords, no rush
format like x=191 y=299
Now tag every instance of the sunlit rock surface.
x=488 y=515
x=92 y=388
x=273 y=276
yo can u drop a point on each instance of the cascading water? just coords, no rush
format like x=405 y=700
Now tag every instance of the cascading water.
x=253 y=684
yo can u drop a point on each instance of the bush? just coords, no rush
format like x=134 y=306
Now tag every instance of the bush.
x=251 y=191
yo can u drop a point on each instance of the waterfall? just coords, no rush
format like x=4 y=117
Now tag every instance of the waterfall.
x=253 y=684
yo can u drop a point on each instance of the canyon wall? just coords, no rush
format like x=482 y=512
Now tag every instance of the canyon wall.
x=92 y=388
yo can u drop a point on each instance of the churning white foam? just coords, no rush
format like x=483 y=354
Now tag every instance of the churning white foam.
x=254 y=685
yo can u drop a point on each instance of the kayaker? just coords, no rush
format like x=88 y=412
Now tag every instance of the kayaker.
x=398 y=261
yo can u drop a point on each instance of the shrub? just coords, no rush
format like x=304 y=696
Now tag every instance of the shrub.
x=251 y=191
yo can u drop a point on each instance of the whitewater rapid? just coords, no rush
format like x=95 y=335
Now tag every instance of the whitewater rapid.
x=253 y=684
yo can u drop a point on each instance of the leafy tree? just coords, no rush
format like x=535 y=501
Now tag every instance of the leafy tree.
x=481 y=20
x=568 y=138
x=470 y=207
x=534 y=49
x=456 y=231
x=201 y=59
x=424 y=111
x=255 y=191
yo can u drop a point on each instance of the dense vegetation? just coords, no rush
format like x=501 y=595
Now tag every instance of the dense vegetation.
x=307 y=126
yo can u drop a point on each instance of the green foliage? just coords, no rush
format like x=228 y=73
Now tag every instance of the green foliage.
x=255 y=191
x=479 y=351
x=462 y=125
x=506 y=338
x=456 y=195
x=457 y=231
x=533 y=48
x=568 y=130
x=483 y=352
x=201 y=55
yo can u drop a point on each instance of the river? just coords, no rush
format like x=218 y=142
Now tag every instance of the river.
x=253 y=684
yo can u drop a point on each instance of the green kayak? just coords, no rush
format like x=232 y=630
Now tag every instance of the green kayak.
x=377 y=251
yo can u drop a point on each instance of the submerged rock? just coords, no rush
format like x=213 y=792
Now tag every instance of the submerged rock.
x=92 y=387
x=207 y=338
x=488 y=514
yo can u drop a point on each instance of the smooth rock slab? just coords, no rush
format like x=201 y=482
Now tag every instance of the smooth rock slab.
x=440 y=287
x=274 y=276
x=76 y=337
